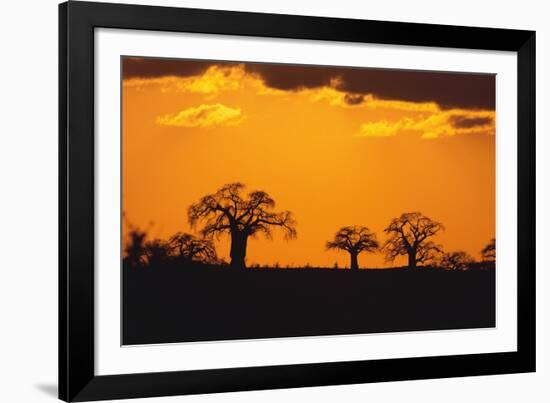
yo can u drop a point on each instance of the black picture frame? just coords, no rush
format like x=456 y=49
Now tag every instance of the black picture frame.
x=77 y=378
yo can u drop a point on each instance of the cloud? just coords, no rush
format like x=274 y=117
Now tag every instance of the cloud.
x=339 y=98
x=447 y=90
x=354 y=99
x=382 y=128
x=431 y=98
x=292 y=77
x=466 y=122
x=212 y=81
x=219 y=78
x=203 y=116
x=139 y=67
x=433 y=126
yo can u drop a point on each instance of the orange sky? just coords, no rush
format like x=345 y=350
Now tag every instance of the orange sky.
x=330 y=156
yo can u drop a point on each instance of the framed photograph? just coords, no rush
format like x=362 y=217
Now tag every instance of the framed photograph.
x=257 y=201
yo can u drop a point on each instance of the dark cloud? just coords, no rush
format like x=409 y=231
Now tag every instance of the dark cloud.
x=354 y=99
x=133 y=67
x=292 y=77
x=465 y=122
x=448 y=90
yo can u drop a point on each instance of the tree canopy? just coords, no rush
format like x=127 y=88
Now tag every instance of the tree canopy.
x=354 y=240
x=228 y=211
x=489 y=252
x=458 y=260
x=409 y=235
x=189 y=247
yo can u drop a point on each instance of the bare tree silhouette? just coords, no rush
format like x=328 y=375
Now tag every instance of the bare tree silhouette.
x=191 y=248
x=409 y=236
x=354 y=240
x=456 y=261
x=227 y=211
x=489 y=252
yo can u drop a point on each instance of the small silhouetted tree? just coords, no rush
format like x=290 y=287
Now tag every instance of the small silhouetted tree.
x=228 y=211
x=409 y=235
x=489 y=252
x=354 y=240
x=191 y=248
x=134 y=250
x=456 y=261
x=157 y=252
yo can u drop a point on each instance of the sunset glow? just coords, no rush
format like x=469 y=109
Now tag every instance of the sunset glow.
x=335 y=146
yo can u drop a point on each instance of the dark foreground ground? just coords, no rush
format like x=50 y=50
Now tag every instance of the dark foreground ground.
x=174 y=304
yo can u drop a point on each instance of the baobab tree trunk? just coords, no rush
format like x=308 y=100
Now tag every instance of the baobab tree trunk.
x=412 y=259
x=354 y=265
x=238 y=250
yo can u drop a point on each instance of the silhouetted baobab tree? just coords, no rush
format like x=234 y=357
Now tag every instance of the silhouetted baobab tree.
x=456 y=261
x=354 y=240
x=191 y=248
x=409 y=236
x=489 y=252
x=229 y=212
